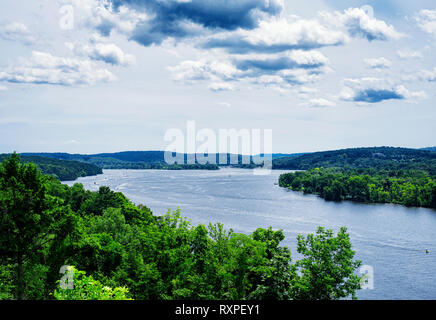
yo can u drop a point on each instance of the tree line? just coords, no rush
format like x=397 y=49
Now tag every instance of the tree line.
x=406 y=187
x=380 y=158
x=118 y=250
x=63 y=170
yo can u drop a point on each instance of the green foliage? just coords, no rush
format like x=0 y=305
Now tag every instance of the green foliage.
x=61 y=169
x=138 y=160
x=7 y=287
x=31 y=220
x=379 y=158
x=327 y=270
x=406 y=187
x=156 y=160
x=119 y=245
x=86 y=288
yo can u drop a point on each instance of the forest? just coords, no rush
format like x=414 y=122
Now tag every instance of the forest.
x=406 y=187
x=111 y=249
x=136 y=160
x=156 y=160
x=64 y=170
x=380 y=158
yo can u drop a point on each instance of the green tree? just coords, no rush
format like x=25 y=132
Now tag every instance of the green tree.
x=30 y=220
x=275 y=280
x=327 y=270
x=86 y=288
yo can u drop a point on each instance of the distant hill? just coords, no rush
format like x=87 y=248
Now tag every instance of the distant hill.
x=375 y=157
x=142 y=159
x=62 y=169
x=429 y=149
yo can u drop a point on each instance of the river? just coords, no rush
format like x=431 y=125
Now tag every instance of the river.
x=392 y=239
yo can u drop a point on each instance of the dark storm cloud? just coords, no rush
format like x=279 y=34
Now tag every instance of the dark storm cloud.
x=169 y=17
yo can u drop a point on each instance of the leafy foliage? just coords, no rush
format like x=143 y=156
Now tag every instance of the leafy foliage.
x=46 y=225
x=406 y=187
x=61 y=169
x=327 y=270
x=380 y=158
x=86 y=288
x=156 y=160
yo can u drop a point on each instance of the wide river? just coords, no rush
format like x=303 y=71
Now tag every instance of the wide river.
x=391 y=239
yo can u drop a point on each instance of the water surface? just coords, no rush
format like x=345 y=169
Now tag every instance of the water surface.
x=390 y=238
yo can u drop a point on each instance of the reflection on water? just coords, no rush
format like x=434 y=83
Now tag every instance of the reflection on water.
x=390 y=238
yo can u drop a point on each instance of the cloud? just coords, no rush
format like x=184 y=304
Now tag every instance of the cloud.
x=360 y=23
x=17 y=31
x=291 y=32
x=427 y=75
x=421 y=75
x=290 y=60
x=180 y=19
x=192 y=71
x=318 y=103
x=103 y=17
x=374 y=90
x=99 y=50
x=408 y=54
x=378 y=63
x=3 y=88
x=277 y=35
x=257 y=43
x=238 y=26
x=148 y=34
x=221 y=86
x=44 y=68
x=426 y=20
x=283 y=70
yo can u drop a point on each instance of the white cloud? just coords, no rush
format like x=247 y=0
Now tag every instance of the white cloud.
x=426 y=20
x=99 y=49
x=221 y=86
x=427 y=75
x=296 y=59
x=409 y=54
x=407 y=94
x=284 y=70
x=375 y=90
x=189 y=71
x=359 y=23
x=378 y=63
x=318 y=103
x=3 y=88
x=308 y=58
x=44 y=68
x=420 y=75
x=100 y=15
x=276 y=35
x=17 y=31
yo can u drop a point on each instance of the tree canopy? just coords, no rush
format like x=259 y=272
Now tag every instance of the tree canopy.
x=122 y=251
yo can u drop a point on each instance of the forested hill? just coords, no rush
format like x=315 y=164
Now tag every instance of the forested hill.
x=376 y=157
x=143 y=160
x=62 y=169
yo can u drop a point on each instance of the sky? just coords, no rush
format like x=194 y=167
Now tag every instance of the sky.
x=91 y=76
